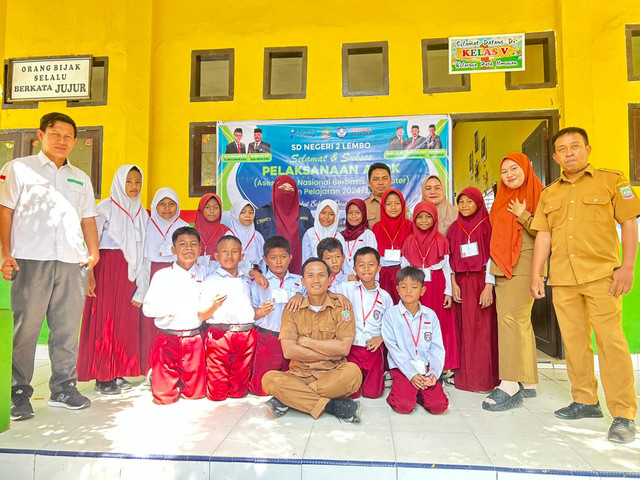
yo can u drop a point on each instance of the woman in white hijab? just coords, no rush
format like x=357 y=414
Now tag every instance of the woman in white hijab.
x=325 y=225
x=110 y=336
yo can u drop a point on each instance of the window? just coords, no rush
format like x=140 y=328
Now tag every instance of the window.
x=634 y=143
x=435 y=69
x=99 y=84
x=212 y=75
x=285 y=73
x=633 y=52
x=16 y=105
x=365 y=69
x=86 y=155
x=202 y=159
x=540 y=63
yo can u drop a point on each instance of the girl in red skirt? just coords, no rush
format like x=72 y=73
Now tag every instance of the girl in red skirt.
x=472 y=288
x=427 y=249
x=390 y=232
x=110 y=334
x=165 y=219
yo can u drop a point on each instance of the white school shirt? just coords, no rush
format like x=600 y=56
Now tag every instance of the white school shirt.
x=443 y=265
x=310 y=243
x=48 y=204
x=363 y=306
x=291 y=282
x=338 y=279
x=366 y=239
x=399 y=340
x=174 y=296
x=237 y=308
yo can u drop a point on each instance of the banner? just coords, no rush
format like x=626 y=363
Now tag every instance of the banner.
x=330 y=158
x=489 y=53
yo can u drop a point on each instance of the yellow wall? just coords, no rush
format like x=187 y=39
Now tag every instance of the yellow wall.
x=149 y=47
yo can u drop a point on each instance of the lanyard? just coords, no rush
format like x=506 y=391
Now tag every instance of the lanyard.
x=206 y=244
x=169 y=228
x=364 y=317
x=281 y=280
x=423 y=257
x=125 y=212
x=319 y=239
x=389 y=236
x=415 y=339
x=352 y=248
x=473 y=230
x=234 y=234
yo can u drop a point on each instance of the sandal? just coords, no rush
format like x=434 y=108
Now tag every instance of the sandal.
x=503 y=400
x=528 y=392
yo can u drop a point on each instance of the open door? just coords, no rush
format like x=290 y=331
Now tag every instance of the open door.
x=543 y=316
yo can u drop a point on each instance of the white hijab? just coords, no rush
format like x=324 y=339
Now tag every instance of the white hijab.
x=155 y=239
x=127 y=220
x=330 y=231
x=252 y=241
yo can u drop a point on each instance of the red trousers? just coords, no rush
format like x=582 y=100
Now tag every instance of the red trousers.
x=371 y=365
x=229 y=356
x=404 y=396
x=268 y=356
x=177 y=359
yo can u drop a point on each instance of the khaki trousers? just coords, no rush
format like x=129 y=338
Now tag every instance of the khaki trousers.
x=580 y=308
x=311 y=391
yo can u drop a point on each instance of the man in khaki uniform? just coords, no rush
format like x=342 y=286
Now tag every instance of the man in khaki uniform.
x=576 y=220
x=316 y=339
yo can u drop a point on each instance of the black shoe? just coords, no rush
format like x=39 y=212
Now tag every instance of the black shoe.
x=577 y=410
x=107 y=388
x=21 y=408
x=71 y=399
x=276 y=407
x=622 y=430
x=503 y=401
x=347 y=410
x=528 y=392
x=123 y=383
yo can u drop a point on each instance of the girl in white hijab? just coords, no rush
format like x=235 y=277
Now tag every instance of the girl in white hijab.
x=110 y=336
x=325 y=226
x=242 y=215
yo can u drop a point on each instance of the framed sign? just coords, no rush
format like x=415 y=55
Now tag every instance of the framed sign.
x=488 y=53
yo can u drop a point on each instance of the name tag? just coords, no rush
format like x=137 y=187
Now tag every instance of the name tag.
x=392 y=255
x=204 y=261
x=469 y=249
x=427 y=274
x=279 y=295
x=419 y=365
x=165 y=250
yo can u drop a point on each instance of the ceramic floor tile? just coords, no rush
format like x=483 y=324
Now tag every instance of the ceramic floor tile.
x=408 y=473
x=164 y=470
x=371 y=417
x=587 y=426
x=534 y=451
x=451 y=420
x=340 y=443
x=516 y=420
x=17 y=466
x=260 y=415
x=265 y=441
x=533 y=476
x=467 y=400
x=76 y=468
x=250 y=470
x=323 y=472
x=441 y=448
x=604 y=455
x=551 y=397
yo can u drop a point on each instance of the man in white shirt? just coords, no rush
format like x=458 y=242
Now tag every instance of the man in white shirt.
x=48 y=243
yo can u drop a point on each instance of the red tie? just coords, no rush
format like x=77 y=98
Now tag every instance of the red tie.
x=410 y=147
x=238 y=147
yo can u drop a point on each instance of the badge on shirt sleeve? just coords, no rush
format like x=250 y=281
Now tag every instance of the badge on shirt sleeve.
x=376 y=314
x=627 y=192
x=346 y=315
x=427 y=336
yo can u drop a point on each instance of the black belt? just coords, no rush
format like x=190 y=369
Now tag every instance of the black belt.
x=182 y=333
x=264 y=331
x=241 y=327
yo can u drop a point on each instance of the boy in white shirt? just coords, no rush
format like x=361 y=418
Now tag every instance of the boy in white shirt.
x=177 y=354
x=369 y=304
x=412 y=336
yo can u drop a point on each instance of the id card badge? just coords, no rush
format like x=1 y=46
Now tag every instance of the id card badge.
x=469 y=249
x=165 y=250
x=427 y=274
x=391 y=255
x=204 y=261
x=419 y=365
x=279 y=295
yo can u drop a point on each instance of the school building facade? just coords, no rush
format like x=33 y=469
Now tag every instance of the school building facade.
x=164 y=72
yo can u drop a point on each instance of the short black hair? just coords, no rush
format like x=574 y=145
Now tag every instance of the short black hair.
x=412 y=273
x=399 y=127
x=432 y=125
x=238 y=130
x=415 y=126
x=567 y=131
x=313 y=260
x=328 y=244
x=365 y=251
x=184 y=231
x=50 y=118
x=276 y=242
x=229 y=237
x=257 y=130
x=378 y=166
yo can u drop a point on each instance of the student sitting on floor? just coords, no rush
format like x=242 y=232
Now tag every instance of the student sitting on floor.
x=411 y=334
x=177 y=354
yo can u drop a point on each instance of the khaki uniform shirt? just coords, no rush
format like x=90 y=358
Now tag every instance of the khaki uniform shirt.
x=373 y=210
x=331 y=322
x=581 y=216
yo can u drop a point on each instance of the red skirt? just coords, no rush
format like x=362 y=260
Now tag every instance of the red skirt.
x=110 y=333
x=434 y=298
x=477 y=331
x=148 y=328
x=389 y=283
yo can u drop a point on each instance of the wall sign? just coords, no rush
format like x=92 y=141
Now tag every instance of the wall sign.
x=489 y=53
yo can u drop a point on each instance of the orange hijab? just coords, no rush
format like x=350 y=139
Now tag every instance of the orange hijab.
x=506 y=239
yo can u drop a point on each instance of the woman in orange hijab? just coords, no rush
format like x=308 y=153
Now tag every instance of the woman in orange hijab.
x=512 y=253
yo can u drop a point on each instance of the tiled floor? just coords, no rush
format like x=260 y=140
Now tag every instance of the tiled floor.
x=129 y=437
